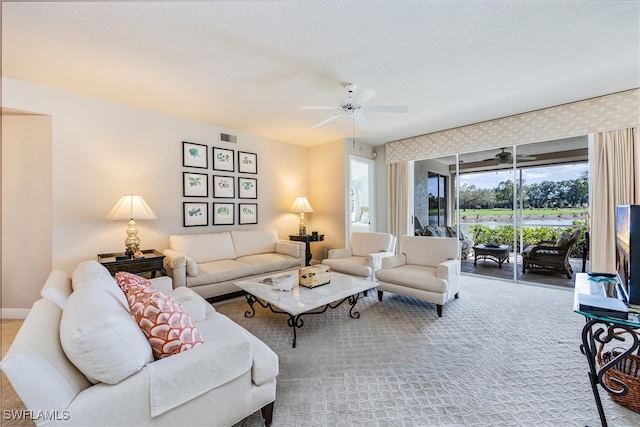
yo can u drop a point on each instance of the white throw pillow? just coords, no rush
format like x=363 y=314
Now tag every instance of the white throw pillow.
x=88 y=271
x=98 y=334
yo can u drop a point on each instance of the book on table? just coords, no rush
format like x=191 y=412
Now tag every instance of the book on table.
x=603 y=306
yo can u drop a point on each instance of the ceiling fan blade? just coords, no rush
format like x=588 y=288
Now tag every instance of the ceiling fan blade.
x=361 y=121
x=364 y=96
x=387 y=109
x=325 y=121
x=527 y=157
x=318 y=107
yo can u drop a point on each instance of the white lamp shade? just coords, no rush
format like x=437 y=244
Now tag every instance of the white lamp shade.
x=301 y=204
x=131 y=206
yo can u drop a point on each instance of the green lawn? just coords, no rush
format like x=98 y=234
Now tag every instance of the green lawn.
x=508 y=212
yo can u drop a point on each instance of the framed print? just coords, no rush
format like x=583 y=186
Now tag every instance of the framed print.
x=247 y=188
x=223 y=159
x=223 y=214
x=247 y=162
x=223 y=187
x=195 y=184
x=194 y=155
x=247 y=213
x=195 y=214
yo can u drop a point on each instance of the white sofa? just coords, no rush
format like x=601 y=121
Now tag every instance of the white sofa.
x=427 y=268
x=209 y=263
x=363 y=256
x=114 y=380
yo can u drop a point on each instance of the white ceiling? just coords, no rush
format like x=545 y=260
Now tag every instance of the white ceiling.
x=249 y=65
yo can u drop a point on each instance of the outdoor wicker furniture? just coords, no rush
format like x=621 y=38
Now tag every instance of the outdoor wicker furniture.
x=549 y=255
x=497 y=253
x=466 y=244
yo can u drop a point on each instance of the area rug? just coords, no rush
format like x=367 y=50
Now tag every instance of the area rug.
x=503 y=354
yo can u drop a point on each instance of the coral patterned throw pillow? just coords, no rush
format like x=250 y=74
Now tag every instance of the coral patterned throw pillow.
x=126 y=280
x=163 y=320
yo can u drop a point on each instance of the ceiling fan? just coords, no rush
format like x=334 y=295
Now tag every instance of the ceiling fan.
x=506 y=157
x=353 y=106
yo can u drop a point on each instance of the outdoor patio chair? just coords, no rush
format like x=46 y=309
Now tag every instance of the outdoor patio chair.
x=548 y=255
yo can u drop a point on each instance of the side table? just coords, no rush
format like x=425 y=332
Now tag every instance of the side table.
x=498 y=254
x=307 y=239
x=151 y=263
x=622 y=334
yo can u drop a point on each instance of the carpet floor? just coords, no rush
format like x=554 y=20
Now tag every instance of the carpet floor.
x=502 y=355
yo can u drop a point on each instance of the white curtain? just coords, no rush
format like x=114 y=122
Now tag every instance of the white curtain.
x=616 y=181
x=399 y=198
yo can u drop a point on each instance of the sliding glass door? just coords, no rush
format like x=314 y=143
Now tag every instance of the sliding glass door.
x=507 y=199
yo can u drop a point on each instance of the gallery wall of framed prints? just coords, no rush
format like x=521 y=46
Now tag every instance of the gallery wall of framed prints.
x=233 y=176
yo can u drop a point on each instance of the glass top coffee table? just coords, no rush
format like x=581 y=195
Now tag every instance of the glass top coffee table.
x=303 y=301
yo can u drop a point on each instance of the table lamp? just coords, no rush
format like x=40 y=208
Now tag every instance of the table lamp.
x=131 y=206
x=301 y=204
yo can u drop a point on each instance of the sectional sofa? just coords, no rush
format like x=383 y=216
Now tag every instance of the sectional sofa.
x=80 y=359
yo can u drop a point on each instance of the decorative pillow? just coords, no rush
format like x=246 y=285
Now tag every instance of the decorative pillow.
x=163 y=320
x=563 y=239
x=192 y=267
x=127 y=280
x=88 y=272
x=99 y=336
x=435 y=231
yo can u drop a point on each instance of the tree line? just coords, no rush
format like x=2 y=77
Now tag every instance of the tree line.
x=546 y=194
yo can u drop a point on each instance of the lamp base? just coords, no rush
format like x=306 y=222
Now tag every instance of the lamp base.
x=132 y=242
x=302 y=230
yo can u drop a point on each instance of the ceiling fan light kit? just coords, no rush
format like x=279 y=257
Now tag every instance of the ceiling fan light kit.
x=353 y=106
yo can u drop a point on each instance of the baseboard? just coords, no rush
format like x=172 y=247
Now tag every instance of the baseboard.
x=14 y=313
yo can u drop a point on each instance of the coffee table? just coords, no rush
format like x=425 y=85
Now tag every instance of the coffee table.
x=498 y=254
x=303 y=301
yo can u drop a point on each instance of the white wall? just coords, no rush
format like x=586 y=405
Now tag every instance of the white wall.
x=101 y=150
x=327 y=181
x=26 y=209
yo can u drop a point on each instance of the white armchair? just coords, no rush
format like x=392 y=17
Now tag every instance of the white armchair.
x=427 y=268
x=364 y=254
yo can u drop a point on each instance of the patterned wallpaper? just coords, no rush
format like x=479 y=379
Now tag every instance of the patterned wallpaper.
x=610 y=112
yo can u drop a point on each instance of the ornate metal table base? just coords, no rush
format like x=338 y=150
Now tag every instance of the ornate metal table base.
x=295 y=321
x=595 y=333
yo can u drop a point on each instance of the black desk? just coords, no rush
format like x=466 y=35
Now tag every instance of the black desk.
x=307 y=239
x=600 y=330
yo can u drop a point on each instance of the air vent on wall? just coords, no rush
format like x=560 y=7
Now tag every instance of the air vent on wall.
x=228 y=138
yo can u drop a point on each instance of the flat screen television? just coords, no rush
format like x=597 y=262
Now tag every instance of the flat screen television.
x=628 y=250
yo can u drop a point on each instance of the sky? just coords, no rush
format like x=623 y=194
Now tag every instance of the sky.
x=530 y=175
